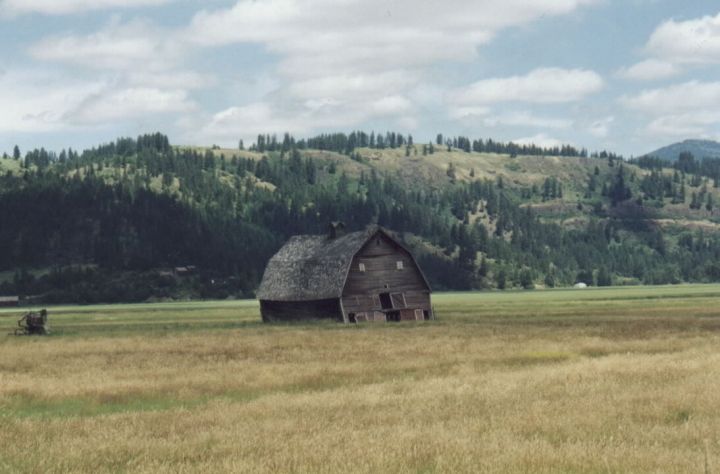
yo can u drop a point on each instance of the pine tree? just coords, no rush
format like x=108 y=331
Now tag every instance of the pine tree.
x=603 y=277
x=484 y=268
x=694 y=202
x=16 y=153
x=501 y=279
x=526 y=279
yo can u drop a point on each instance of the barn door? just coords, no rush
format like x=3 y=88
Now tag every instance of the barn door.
x=385 y=301
x=398 y=300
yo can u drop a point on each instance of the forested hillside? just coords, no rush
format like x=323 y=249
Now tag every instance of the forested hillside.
x=115 y=222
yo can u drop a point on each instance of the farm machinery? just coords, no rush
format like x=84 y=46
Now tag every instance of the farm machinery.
x=33 y=323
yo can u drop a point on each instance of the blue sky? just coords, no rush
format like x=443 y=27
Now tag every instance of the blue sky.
x=628 y=76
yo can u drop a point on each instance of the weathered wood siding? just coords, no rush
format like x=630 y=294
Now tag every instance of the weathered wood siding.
x=300 y=310
x=379 y=258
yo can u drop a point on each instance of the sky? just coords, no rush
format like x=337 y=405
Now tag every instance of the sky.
x=623 y=75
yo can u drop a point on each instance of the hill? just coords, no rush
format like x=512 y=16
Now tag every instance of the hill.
x=698 y=148
x=124 y=220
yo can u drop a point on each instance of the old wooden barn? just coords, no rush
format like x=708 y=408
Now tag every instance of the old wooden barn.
x=360 y=276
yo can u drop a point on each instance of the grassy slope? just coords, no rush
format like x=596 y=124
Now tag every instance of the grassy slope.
x=604 y=380
x=518 y=172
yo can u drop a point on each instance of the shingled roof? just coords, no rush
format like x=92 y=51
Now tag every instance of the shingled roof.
x=313 y=267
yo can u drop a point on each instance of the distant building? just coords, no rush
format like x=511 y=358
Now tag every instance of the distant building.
x=185 y=271
x=8 y=301
x=360 y=276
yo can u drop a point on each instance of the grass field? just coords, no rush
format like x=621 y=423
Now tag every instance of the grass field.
x=601 y=380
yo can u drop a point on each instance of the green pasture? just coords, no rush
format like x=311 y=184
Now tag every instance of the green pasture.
x=600 y=308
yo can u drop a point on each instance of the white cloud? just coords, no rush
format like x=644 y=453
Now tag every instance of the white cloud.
x=127 y=103
x=249 y=121
x=352 y=85
x=134 y=46
x=59 y=7
x=694 y=41
x=698 y=125
x=342 y=62
x=649 y=70
x=139 y=73
x=692 y=95
x=540 y=140
x=681 y=110
x=540 y=86
x=350 y=36
x=29 y=105
x=431 y=30
x=601 y=128
x=171 y=79
x=677 y=43
x=468 y=113
x=526 y=119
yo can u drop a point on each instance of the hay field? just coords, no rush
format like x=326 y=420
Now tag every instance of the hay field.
x=611 y=380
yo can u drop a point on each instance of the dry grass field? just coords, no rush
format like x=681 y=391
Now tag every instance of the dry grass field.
x=616 y=380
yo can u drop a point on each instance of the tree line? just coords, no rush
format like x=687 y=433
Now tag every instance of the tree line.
x=126 y=212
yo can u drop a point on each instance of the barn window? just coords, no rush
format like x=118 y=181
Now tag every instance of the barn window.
x=361 y=267
x=399 y=265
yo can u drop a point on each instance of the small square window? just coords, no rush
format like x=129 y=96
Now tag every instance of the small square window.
x=399 y=265
x=361 y=267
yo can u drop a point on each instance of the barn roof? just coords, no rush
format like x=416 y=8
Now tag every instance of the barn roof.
x=314 y=267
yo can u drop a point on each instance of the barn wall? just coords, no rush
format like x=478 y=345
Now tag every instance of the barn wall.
x=379 y=257
x=300 y=310
x=361 y=303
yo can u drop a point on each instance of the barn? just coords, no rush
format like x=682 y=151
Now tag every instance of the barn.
x=9 y=301
x=360 y=276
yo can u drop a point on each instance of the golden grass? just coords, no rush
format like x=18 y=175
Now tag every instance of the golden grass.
x=559 y=381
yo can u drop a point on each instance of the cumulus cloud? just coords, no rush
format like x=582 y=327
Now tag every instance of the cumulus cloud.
x=248 y=121
x=139 y=66
x=700 y=124
x=30 y=106
x=127 y=103
x=60 y=7
x=692 y=95
x=487 y=118
x=339 y=63
x=343 y=32
x=541 y=86
x=526 y=119
x=135 y=45
x=363 y=59
x=674 y=44
x=540 y=140
x=650 y=70
x=601 y=128
x=687 y=109
x=468 y=113
x=694 y=41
